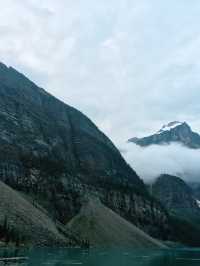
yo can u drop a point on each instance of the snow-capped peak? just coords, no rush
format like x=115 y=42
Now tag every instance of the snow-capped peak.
x=169 y=126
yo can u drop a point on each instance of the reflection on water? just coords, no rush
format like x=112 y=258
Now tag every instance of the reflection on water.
x=96 y=257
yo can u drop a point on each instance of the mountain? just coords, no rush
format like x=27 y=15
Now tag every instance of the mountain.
x=103 y=227
x=53 y=156
x=184 y=208
x=175 y=194
x=173 y=132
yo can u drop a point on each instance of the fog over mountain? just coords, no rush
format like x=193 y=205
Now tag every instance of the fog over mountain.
x=174 y=150
x=174 y=159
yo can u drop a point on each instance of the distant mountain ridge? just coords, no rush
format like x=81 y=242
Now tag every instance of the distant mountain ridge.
x=184 y=208
x=179 y=132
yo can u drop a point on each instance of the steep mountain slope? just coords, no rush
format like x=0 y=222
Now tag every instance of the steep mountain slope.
x=56 y=155
x=36 y=124
x=102 y=227
x=21 y=220
x=181 y=203
x=173 y=132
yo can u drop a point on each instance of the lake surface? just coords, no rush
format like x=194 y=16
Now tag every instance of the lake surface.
x=96 y=257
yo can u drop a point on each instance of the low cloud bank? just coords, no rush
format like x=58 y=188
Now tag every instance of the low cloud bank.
x=154 y=160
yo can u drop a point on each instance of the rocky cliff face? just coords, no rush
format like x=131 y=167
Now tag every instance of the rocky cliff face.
x=56 y=155
x=170 y=133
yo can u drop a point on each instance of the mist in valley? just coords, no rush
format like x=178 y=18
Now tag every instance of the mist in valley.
x=173 y=159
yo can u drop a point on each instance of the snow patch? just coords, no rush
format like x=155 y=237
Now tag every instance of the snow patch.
x=198 y=203
x=169 y=127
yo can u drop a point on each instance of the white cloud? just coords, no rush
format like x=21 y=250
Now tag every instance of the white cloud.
x=131 y=66
x=154 y=160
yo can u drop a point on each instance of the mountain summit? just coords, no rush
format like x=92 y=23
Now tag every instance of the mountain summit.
x=175 y=131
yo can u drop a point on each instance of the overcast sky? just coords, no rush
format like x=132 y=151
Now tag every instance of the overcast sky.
x=130 y=65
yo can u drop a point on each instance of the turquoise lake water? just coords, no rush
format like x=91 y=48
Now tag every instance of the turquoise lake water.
x=114 y=257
